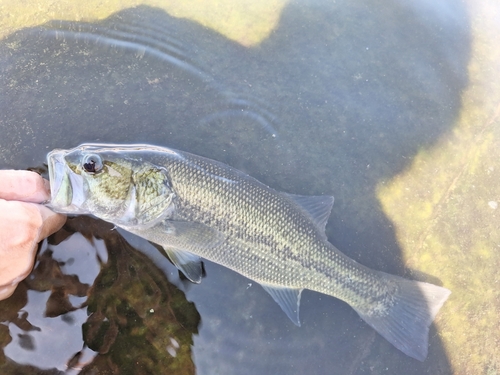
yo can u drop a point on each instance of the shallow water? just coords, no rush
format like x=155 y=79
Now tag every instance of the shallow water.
x=339 y=99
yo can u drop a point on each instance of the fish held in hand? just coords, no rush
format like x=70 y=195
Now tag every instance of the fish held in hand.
x=200 y=208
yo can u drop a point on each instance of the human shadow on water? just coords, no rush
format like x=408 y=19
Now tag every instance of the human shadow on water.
x=337 y=100
x=95 y=305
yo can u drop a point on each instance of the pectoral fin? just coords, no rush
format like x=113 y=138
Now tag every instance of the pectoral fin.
x=288 y=299
x=193 y=234
x=182 y=241
x=188 y=263
x=185 y=235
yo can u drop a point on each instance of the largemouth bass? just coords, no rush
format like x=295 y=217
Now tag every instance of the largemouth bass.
x=199 y=208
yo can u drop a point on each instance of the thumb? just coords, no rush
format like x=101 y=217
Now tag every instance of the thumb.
x=51 y=222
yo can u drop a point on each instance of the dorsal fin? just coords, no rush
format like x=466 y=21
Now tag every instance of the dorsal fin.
x=317 y=207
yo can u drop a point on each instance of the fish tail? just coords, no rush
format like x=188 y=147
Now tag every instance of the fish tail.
x=406 y=323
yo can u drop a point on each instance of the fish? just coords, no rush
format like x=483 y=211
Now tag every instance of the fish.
x=197 y=208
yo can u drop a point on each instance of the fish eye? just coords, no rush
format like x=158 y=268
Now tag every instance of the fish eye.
x=92 y=163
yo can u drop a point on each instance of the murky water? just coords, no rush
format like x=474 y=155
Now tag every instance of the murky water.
x=337 y=100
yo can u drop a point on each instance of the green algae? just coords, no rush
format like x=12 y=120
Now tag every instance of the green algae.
x=138 y=323
x=246 y=22
x=445 y=210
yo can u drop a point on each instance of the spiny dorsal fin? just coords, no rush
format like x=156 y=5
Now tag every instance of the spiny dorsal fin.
x=317 y=207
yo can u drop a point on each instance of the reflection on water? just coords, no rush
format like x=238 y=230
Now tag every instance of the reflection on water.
x=122 y=81
x=337 y=100
x=95 y=305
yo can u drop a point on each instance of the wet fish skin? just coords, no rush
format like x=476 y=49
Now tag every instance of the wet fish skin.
x=196 y=207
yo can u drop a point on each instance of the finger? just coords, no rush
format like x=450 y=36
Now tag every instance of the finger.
x=51 y=222
x=30 y=222
x=20 y=226
x=7 y=291
x=23 y=226
x=23 y=186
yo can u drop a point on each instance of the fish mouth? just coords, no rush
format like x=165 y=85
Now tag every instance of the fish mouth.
x=66 y=187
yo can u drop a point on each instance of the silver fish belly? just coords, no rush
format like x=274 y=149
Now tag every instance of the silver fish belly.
x=199 y=208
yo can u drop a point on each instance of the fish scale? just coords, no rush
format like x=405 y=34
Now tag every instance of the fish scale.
x=196 y=207
x=253 y=222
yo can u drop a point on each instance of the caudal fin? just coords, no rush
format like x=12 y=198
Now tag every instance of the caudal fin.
x=406 y=324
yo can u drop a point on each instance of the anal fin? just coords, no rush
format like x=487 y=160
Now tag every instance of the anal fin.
x=288 y=299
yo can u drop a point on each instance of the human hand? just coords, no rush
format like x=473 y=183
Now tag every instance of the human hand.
x=23 y=223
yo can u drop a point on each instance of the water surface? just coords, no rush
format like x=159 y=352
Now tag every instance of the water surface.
x=338 y=99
